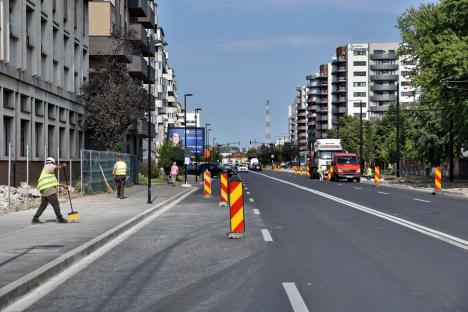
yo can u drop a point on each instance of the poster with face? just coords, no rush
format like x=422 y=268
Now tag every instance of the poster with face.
x=195 y=139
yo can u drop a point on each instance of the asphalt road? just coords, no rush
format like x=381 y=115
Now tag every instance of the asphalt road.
x=304 y=251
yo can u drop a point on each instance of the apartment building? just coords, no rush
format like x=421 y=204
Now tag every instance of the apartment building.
x=44 y=49
x=109 y=23
x=292 y=123
x=193 y=119
x=319 y=104
x=301 y=108
x=363 y=76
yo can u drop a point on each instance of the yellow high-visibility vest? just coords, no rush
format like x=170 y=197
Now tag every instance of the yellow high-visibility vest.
x=46 y=180
x=120 y=168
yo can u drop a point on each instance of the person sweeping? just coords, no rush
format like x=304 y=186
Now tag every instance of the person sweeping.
x=47 y=185
x=120 y=176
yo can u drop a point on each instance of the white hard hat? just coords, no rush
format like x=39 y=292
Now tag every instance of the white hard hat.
x=50 y=160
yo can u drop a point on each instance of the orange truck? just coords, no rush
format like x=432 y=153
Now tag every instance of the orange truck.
x=346 y=166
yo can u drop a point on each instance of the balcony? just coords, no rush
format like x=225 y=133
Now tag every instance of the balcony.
x=138 y=69
x=104 y=46
x=303 y=115
x=138 y=37
x=383 y=98
x=138 y=8
x=342 y=69
x=384 y=56
x=342 y=99
x=149 y=51
x=379 y=109
x=148 y=21
x=302 y=128
x=311 y=123
x=384 y=87
x=384 y=67
x=384 y=77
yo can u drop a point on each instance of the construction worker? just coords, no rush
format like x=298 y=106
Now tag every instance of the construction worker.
x=369 y=173
x=120 y=175
x=320 y=172
x=47 y=185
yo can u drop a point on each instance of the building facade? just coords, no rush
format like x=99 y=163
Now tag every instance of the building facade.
x=301 y=108
x=292 y=123
x=44 y=53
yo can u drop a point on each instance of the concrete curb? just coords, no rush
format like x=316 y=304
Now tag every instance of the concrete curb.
x=20 y=287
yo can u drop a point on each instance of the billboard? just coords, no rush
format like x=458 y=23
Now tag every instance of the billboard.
x=195 y=138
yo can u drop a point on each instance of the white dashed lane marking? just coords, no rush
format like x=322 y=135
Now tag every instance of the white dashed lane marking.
x=266 y=235
x=256 y=211
x=422 y=200
x=251 y=200
x=383 y=193
x=295 y=298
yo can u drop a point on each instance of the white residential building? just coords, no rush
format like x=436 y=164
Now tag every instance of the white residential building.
x=292 y=123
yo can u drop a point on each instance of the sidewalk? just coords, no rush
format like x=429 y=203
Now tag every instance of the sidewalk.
x=27 y=247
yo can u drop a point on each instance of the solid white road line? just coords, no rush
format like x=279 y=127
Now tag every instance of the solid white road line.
x=383 y=193
x=453 y=240
x=358 y=188
x=422 y=200
x=339 y=184
x=295 y=298
x=29 y=299
x=266 y=235
x=256 y=211
x=251 y=200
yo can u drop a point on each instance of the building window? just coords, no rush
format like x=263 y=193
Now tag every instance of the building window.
x=51 y=141
x=39 y=127
x=8 y=98
x=358 y=104
x=24 y=132
x=7 y=133
x=407 y=93
x=359 y=73
x=359 y=63
x=357 y=115
x=359 y=52
x=406 y=84
x=359 y=84
x=359 y=94
x=405 y=73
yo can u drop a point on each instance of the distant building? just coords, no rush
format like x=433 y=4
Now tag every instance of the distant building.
x=301 y=107
x=292 y=123
x=192 y=120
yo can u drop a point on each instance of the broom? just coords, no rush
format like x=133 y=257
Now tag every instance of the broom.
x=73 y=215
x=109 y=188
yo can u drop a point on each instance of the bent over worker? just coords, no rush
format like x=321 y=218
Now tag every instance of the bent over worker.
x=120 y=176
x=47 y=185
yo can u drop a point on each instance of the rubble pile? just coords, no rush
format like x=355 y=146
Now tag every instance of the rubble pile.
x=22 y=197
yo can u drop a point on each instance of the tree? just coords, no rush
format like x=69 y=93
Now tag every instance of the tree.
x=113 y=101
x=167 y=154
x=435 y=37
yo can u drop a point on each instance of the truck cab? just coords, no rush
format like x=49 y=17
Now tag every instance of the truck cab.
x=322 y=155
x=346 y=166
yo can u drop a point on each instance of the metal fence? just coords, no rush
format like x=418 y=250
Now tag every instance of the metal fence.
x=96 y=168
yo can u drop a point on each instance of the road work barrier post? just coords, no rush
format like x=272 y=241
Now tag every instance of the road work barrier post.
x=377 y=175
x=207 y=179
x=308 y=172
x=330 y=173
x=300 y=171
x=236 y=211
x=224 y=189
x=437 y=180
x=295 y=170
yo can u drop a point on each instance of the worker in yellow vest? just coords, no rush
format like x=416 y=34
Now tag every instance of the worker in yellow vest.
x=120 y=176
x=47 y=185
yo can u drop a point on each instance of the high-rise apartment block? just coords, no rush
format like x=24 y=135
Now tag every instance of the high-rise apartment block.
x=292 y=123
x=371 y=75
x=44 y=49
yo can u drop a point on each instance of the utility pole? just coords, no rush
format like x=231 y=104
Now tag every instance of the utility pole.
x=149 y=201
x=267 y=123
x=398 y=131
x=361 y=148
x=185 y=137
x=196 y=143
x=207 y=144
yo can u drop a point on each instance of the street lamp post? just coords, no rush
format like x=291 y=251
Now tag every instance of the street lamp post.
x=149 y=201
x=206 y=136
x=398 y=131
x=361 y=143
x=212 y=158
x=196 y=143
x=185 y=136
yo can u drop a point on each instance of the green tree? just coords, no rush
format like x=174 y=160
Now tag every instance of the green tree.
x=435 y=37
x=167 y=154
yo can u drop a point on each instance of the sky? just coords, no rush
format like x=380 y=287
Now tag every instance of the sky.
x=234 y=55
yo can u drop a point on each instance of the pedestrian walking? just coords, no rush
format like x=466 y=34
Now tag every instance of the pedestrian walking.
x=120 y=176
x=47 y=185
x=320 y=173
x=174 y=173
x=369 y=173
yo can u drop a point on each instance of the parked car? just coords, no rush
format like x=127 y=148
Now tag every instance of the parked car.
x=212 y=168
x=346 y=166
x=242 y=168
x=256 y=167
x=228 y=169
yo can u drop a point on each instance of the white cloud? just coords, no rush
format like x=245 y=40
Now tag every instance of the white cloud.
x=293 y=41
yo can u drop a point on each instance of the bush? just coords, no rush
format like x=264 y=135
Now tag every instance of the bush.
x=144 y=169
